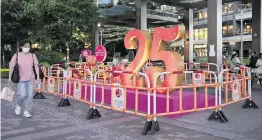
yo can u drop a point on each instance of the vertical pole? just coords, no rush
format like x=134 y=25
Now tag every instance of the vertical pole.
x=95 y=37
x=114 y=49
x=101 y=36
x=191 y=30
x=214 y=31
x=241 y=48
x=188 y=43
x=67 y=53
x=141 y=14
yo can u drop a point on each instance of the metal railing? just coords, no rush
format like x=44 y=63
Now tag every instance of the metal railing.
x=159 y=13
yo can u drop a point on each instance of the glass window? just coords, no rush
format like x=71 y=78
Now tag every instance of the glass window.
x=204 y=14
x=230 y=8
x=196 y=16
x=200 y=15
x=201 y=34
x=249 y=5
x=230 y=30
x=224 y=9
x=105 y=1
x=196 y=34
x=205 y=33
x=224 y=30
x=247 y=29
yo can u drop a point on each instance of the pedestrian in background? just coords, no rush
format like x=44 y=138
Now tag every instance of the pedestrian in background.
x=259 y=69
x=235 y=62
x=253 y=60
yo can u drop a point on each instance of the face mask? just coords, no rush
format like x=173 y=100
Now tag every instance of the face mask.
x=25 y=50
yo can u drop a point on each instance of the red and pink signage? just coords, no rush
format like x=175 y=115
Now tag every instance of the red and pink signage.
x=86 y=53
x=100 y=53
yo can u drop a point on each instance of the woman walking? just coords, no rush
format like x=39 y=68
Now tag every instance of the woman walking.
x=235 y=62
x=25 y=88
x=259 y=69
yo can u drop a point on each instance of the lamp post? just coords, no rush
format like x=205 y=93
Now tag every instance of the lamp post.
x=67 y=53
x=241 y=8
x=101 y=30
x=99 y=25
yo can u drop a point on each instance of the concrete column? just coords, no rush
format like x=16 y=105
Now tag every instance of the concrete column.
x=188 y=46
x=141 y=14
x=95 y=37
x=257 y=26
x=214 y=24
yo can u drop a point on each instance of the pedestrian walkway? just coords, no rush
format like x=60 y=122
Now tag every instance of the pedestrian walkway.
x=50 y=122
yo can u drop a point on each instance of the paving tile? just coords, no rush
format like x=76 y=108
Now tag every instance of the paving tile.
x=52 y=122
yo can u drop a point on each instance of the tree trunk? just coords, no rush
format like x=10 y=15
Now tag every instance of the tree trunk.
x=17 y=44
x=3 y=56
x=15 y=47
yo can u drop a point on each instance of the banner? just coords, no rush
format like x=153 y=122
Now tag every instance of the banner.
x=118 y=98
x=77 y=90
x=51 y=84
x=235 y=87
x=235 y=91
x=100 y=53
x=197 y=78
x=86 y=53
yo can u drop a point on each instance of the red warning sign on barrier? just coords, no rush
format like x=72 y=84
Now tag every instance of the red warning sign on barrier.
x=51 y=84
x=118 y=98
x=77 y=90
x=197 y=78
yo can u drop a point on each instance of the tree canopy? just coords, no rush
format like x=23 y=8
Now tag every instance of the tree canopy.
x=47 y=21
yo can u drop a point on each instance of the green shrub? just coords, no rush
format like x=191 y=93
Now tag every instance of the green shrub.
x=4 y=73
x=48 y=58
x=45 y=64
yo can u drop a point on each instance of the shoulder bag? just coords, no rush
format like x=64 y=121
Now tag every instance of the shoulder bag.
x=15 y=75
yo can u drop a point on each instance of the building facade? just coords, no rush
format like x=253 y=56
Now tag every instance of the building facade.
x=107 y=2
x=231 y=30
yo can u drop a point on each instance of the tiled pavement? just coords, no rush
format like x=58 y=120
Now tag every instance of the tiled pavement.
x=50 y=122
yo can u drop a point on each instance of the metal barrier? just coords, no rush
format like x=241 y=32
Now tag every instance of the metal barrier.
x=201 y=66
x=208 y=65
x=208 y=101
x=181 y=109
x=54 y=84
x=124 y=104
x=240 y=85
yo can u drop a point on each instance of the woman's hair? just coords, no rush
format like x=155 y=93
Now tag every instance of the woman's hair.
x=22 y=43
x=234 y=55
x=260 y=55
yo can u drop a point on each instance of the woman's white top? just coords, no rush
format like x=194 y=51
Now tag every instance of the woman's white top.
x=259 y=65
x=235 y=61
x=116 y=61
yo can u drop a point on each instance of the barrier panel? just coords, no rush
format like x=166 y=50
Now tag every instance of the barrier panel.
x=137 y=100
x=114 y=96
x=66 y=86
x=202 y=66
x=237 y=86
x=182 y=100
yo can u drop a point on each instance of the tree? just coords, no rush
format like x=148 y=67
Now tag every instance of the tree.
x=48 y=22
x=65 y=21
x=18 y=18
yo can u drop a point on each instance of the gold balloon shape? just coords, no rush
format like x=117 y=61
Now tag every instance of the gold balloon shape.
x=172 y=60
